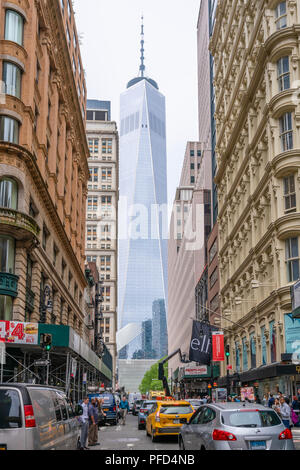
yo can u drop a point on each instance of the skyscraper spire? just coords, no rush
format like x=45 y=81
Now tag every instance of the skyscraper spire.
x=142 y=66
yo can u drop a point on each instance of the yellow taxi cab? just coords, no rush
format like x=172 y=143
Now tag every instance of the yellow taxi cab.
x=166 y=418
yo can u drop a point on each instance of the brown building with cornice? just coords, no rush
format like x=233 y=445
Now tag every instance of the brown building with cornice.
x=43 y=165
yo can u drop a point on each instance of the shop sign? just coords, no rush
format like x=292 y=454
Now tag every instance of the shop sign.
x=14 y=332
x=191 y=371
x=218 y=346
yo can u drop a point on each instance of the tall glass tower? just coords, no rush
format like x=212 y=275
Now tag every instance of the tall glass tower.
x=142 y=247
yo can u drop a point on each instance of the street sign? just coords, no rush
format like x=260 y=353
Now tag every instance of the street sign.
x=42 y=363
x=2 y=353
x=229 y=367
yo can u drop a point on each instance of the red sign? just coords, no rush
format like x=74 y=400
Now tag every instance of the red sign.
x=229 y=367
x=218 y=346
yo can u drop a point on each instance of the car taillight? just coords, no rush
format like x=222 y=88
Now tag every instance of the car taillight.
x=157 y=418
x=286 y=434
x=143 y=411
x=115 y=409
x=29 y=417
x=219 y=435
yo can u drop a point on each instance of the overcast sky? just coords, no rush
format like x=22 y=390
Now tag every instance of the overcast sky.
x=110 y=31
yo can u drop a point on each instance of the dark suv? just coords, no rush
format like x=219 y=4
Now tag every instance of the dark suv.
x=109 y=406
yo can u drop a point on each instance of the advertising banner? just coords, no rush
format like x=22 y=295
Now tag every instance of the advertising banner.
x=18 y=332
x=292 y=334
x=218 y=346
x=201 y=343
x=247 y=392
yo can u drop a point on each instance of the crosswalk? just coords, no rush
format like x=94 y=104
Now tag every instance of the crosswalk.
x=296 y=435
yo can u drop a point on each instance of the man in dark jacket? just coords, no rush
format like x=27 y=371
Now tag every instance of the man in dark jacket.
x=271 y=401
x=93 y=423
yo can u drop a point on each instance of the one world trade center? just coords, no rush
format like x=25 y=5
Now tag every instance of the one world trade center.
x=142 y=270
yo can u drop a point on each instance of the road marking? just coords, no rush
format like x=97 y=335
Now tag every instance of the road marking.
x=130 y=445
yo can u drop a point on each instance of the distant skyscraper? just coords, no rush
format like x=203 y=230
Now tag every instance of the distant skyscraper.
x=143 y=182
x=159 y=329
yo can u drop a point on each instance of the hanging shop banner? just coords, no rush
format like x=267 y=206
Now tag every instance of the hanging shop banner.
x=84 y=378
x=73 y=368
x=18 y=333
x=201 y=343
x=218 y=346
x=192 y=371
x=247 y=393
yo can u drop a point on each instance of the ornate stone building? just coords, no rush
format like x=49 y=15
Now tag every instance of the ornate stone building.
x=102 y=214
x=257 y=68
x=43 y=165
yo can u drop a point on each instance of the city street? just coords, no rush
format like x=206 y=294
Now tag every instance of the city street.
x=128 y=437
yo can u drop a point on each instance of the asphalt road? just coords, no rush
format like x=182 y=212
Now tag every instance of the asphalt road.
x=128 y=437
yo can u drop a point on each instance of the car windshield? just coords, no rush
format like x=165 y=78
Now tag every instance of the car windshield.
x=10 y=409
x=139 y=402
x=251 y=418
x=176 y=410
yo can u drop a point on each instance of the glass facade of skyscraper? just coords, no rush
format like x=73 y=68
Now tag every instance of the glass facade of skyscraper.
x=143 y=192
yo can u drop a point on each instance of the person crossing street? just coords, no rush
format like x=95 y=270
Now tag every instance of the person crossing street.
x=124 y=409
x=93 y=423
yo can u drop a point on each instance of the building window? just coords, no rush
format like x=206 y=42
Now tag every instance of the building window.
x=213 y=250
x=94 y=173
x=213 y=278
x=199 y=153
x=292 y=259
x=92 y=233
x=106 y=174
x=281 y=16
x=214 y=304
x=63 y=268
x=8 y=193
x=286 y=131
x=289 y=194
x=192 y=166
x=192 y=179
x=12 y=76
x=106 y=146
x=92 y=204
x=45 y=237
x=55 y=254
x=283 y=69
x=6 y=304
x=9 y=130
x=7 y=255
x=14 y=27
x=192 y=153
x=105 y=263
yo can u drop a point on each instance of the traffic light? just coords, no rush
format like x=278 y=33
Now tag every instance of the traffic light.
x=46 y=341
x=227 y=353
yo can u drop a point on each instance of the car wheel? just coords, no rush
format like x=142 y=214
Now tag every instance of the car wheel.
x=202 y=448
x=181 y=444
x=140 y=427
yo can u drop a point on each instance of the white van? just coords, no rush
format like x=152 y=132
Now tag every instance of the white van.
x=36 y=417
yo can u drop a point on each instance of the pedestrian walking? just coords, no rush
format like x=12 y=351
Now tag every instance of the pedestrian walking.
x=271 y=401
x=84 y=421
x=101 y=413
x=295 y=403
x=265 y=400
x=285 y=412
x=124 y=409
x=93 y=423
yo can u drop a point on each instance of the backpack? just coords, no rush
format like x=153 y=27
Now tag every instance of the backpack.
x=294 y=417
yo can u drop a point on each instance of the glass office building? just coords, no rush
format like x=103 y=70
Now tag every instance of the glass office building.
x=143 y=193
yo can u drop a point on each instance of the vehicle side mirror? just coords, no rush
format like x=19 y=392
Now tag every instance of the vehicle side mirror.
x=78 y=410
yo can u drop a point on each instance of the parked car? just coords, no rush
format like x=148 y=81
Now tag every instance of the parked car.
x=167 y=417
x=36 y=417
x=132 y=397
x=235 y=426
x=143 y=413
x=136 y=407
x=109 y=407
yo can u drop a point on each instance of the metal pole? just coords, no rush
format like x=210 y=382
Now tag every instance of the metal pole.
x=227 y=377
x=47 y=375
x=78 y=391
x=67 y=375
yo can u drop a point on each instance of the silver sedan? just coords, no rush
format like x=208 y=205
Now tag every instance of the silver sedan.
x=235 y=426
